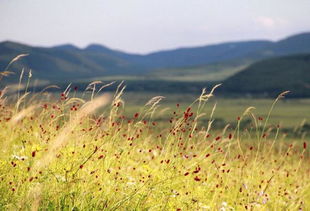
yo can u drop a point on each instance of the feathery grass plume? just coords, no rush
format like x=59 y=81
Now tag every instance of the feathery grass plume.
x=3 y=91
x=17 y=58
x=280 y=96
x=106 y=85
x=39 y=94
x=248 y=111
x=237 y=130
x=204 y=97
x=62 y=138
x=153 y=104
x=225 y=129
x=117 y=100
x=49 y=87
x=16 y=119
x=22 y=114
x=20 y=82
x=202 y=100
x=5 y=72
x=67 y=90
x=92 y=87
x=21 y=100
x=2 y=94
x=164 y=110
x=75 y=100
x=13 y=88
x=154 y=101
x=210 y=122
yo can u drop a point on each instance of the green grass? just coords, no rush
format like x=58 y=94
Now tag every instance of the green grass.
x=71 y=151
x=59 y=156
x=210 y=72
x=288 y=113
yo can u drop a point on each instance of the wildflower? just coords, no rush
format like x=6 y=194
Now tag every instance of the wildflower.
x=20 y=157
x=204 y=207
x=197 y=170
x=197 y=179
x=245 y=186
x=130 y=183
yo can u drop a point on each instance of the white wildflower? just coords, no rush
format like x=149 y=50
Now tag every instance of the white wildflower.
x=204 y=207
x=245 y=186
x=130 y=183
x=20 y=157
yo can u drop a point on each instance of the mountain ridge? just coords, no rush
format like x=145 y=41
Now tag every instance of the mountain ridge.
x=68 y=62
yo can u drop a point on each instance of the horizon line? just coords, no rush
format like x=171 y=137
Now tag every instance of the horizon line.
x=153 y=51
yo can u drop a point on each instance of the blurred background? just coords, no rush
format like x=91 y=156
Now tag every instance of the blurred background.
x=255 y=49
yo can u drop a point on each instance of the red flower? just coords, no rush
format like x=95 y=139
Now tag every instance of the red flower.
x=197 y=179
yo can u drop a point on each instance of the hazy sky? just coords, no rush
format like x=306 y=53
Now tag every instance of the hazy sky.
x=148 y=25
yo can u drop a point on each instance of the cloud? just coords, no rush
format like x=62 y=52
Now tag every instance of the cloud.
x=269 y=22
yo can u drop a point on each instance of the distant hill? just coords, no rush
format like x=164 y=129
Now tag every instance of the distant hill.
x=273 y=76
x=211 y=62
x=64 y=62
x=185 y=57
x=244 y=51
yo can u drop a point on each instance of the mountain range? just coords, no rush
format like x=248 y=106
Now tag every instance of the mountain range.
x=218 y=62
x=70 y=62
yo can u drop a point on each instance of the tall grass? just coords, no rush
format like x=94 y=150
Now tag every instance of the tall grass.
x=78 y=154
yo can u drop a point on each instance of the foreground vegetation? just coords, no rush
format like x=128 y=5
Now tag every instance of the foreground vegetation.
x=87 y=152
x=76 y=154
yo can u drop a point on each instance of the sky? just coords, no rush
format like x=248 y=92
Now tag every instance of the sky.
x=143 y=26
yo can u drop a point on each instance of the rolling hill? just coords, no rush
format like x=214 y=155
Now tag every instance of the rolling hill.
x=67 y=62
x=64 y=62
x=273 y=76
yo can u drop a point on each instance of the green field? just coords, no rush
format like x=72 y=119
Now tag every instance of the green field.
x=211 y=72
x=288 y=112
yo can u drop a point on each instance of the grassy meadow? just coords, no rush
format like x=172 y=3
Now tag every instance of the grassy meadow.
x=289 y=113
x=127 y=151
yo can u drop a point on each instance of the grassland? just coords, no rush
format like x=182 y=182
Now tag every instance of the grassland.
x=210 y=72
x=118 y=151
x=289 y=113
x=68 y=153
